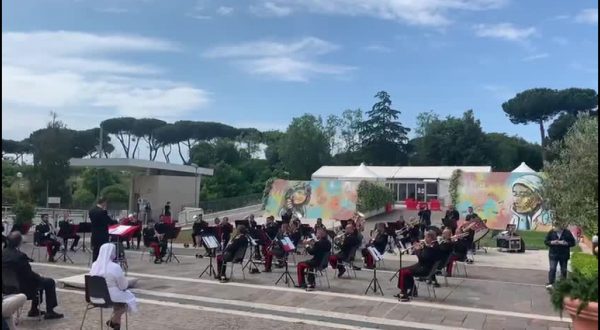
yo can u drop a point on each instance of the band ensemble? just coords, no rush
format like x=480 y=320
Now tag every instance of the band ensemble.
x=435 y=248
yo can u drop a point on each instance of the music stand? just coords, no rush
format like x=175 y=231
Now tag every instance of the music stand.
x=84 y=227
x=401 y=248
x=245 y=223
x=374 y=282
x=170 y=235
x=253 y=246
x=211 y=243
x=288 y=247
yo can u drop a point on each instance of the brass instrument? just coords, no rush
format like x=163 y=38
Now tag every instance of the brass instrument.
x=459 y=236
x=309 y=242
x=338 y=240
x=412 y=223
x=418 y=246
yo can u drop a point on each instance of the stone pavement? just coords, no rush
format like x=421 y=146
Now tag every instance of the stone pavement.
x=173 y=297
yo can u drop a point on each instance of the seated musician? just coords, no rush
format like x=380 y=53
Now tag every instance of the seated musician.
x=415 y=231
x=226 y=230
x=271 y=227
x=276 y=249
x=379 y=242
x=154 y=237
x=132 y=220
x=46 y=236
x=240 y=241
x=467 y=227
x=318 y=249
x=295 y=234
x=446 y=249
x=428 y=254
x=319 y=224
x=350 y=243
x=197 y=228
x=66 y=231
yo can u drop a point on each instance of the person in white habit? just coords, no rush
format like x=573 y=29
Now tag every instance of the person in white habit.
x=117 y=284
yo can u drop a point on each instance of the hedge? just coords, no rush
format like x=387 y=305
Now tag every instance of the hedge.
x=372 y=196
x=587 y=264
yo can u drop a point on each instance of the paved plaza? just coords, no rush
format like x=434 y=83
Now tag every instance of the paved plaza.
x=501 y=291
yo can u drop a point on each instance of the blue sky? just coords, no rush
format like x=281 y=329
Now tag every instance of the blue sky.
x=258 y=63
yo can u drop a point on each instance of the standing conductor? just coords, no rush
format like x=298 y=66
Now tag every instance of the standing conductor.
x=100 y=221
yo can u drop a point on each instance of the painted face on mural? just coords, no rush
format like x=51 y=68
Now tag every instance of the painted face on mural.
x=525 y=199
x=299 y=197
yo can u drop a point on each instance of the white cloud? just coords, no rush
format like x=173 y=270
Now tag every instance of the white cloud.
x=270 y=9
x=378 y=49
x=80 y=76
x=434 y=13
x=224 y=11
x=506 y=31
x=588 y=16
x=294 y=61
x=535 y=57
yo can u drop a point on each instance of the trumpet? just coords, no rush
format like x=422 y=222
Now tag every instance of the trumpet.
x=338 y=240
x=459 y=236
x=418 y=246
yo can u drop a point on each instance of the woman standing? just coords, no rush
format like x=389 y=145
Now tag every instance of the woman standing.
x=117 y=284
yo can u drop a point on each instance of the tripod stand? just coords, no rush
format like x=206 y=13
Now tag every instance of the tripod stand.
x=210 y=268
x=399 y=259
x=374 y=283
x=251 y=261
x=64 y=252
x=286 y=273
x=84 y=227
x=171 y=236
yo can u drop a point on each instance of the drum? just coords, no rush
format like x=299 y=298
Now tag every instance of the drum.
x=480 y=229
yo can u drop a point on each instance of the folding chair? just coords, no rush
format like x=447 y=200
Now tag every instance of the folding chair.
x=321 y=271
x=238 y=258
x=349 y=263
x=37 y=248
x=441 y=269
x=97 y=296
x=430 y=280
x=464 y=265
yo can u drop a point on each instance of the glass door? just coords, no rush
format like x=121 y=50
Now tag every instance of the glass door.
x=420 y=192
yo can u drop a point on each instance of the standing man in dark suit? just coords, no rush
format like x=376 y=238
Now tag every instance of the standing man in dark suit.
x=451 y=218
x=100 y=222
x=559 y=241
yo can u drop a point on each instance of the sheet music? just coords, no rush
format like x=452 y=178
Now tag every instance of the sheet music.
x=287 y=244
x=119 y=230
x=374 y=253
x=211 y=242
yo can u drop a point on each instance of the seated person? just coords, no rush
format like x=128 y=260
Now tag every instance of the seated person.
x=276 y=249
x=45 y=236
x=446 y=249
x=350 y=244
x=295 y=234
x=116 y=282
x=226 y=230
x=237 y=243
x=66 y=231
x=155 y=240
x=427 y=254
x=318 y=250
x=319 y=224
x=132 y=220
x=379 y=242
x=10 y=305
x=29 y=281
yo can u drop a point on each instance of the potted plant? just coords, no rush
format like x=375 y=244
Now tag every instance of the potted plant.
x=24 y=213
x=578 y=295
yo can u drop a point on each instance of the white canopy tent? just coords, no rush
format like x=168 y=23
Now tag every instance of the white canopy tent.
x=523 y=168
x=362 y=172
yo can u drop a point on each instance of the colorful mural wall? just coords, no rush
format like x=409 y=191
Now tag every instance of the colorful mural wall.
x=326 y=199
x=505 y=198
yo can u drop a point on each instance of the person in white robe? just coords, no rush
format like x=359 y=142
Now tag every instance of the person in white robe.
x=116 y=281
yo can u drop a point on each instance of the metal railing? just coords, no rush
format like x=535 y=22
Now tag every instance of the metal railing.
x=224 y=204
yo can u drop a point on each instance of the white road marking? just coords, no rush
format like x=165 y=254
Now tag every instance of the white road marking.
x=270 y=316
x=336 y=294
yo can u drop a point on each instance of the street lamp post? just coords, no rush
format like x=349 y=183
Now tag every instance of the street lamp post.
x=20 y=177
x=196 y=203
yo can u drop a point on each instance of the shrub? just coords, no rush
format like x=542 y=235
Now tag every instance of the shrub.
x=115 y=194
x=576 y=286
x=585 y=263
x=83 y=198
x=372 y=196
x=24 y=213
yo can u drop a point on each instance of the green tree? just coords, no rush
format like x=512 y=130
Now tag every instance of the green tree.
x=145 y=129
x=424 y=119
x=384 y=139
x=16 y=148
x=507 y=152
x=538 y=105
x=571 y=184
x=228 y=181
x=83 y=198
x=94 y=180
x=123 y=129
x=350 y=130
x=304 y=147
x=51 y=148
x=451 y=142
x=116 y=194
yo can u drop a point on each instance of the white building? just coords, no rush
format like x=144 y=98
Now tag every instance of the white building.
x=421 y=183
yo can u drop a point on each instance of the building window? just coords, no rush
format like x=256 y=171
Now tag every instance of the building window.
x=402 y=191
x=432 y=191
x=411 y=191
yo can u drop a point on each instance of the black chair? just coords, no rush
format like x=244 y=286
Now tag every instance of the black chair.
x=10 y=285
x=238 y=258
x=97 y=296
x=430 y=280
x=321 y=270
x=349 y=262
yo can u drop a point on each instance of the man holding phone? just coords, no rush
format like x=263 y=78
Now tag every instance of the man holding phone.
x=559 y=241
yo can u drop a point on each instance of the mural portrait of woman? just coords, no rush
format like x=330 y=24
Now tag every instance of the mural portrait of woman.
x=295 y=200
x=528 y=211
